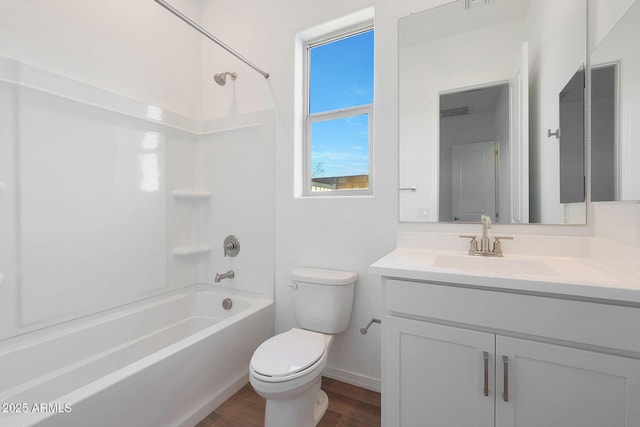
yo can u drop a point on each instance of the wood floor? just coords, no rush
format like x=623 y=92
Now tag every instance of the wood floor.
x=349 y=406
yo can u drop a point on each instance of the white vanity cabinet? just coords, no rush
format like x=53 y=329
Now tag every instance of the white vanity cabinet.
x=554 y=385
x=433 y=375
x=456 y=355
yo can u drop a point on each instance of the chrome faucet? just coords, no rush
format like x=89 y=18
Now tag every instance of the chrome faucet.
x=485 y=242
x=228 y=275
x=486 y=225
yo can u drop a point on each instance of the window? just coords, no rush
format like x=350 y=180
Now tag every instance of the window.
x=338 y=114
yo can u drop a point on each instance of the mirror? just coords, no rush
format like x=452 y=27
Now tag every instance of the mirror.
x=481 y=83
x=615 y=101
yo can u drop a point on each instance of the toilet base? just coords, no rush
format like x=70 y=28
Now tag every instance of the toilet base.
x=320 y=406
x=304 y=410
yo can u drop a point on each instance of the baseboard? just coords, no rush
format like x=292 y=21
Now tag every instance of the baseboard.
x=353 y=378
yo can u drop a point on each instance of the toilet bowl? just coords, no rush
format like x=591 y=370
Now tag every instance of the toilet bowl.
x=287 y=369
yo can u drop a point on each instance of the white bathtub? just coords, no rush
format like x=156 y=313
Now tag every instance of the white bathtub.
x=166 y=361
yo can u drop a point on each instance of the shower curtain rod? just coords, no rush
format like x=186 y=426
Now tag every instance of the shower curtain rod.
x=210 y=36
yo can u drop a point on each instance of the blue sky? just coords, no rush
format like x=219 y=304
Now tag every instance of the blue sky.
x=341 y=77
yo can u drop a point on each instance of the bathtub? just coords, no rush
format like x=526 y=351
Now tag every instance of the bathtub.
x=166 y=361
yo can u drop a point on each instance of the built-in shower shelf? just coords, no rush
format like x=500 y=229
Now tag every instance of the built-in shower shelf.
x=191 y=250
x=191 y=194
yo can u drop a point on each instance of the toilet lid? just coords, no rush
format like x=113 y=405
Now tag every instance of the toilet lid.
x=288 y=353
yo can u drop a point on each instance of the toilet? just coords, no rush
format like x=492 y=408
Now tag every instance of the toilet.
x=287 y=369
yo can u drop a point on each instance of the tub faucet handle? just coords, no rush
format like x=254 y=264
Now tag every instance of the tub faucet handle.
x=231 y=246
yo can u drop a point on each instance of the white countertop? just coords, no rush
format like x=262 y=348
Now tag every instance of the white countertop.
x=574 y=277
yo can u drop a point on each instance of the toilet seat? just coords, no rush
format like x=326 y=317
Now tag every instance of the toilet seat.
x=288 y=355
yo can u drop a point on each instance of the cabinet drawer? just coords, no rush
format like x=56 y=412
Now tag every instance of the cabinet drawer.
x=591 y=323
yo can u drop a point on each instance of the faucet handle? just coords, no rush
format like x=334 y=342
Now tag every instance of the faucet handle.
x=497 y=244
x=473 y=243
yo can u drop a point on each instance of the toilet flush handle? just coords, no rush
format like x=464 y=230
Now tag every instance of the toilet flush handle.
x=293 y=285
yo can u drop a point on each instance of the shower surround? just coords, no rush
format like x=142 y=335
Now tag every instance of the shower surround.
x=106 y=200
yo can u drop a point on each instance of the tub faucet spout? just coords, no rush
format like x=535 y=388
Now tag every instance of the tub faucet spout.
x=228 y=275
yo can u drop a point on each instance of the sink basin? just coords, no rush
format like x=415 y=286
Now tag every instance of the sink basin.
x=495 y=265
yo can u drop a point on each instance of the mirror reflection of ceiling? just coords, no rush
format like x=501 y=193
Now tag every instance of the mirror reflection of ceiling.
x=535 y=47
x=477 y=101
x=445 y=21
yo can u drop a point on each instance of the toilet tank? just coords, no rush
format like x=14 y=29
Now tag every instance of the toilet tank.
x=323 y=299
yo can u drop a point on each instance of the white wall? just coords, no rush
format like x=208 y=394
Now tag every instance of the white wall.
x=603 y=16
x=129 y=47
x=617 y=221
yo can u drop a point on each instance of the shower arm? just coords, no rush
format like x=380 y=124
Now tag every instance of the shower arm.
x=210 y=36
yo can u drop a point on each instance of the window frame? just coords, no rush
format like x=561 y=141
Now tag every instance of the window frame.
x=309 y=119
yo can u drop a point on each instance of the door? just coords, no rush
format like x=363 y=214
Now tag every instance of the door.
x=473 y=180
x=436 y=376
x=554 y=386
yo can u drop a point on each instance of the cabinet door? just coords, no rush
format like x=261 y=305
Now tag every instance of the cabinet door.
x=434 y=375
x=555 y=386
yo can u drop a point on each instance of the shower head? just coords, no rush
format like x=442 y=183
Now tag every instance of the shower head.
x=221 y=78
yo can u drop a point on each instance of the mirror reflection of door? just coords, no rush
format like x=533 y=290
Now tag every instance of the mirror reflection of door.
x=572 y=174
x=474 y=172
x=474 y=183
x=604 y=133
